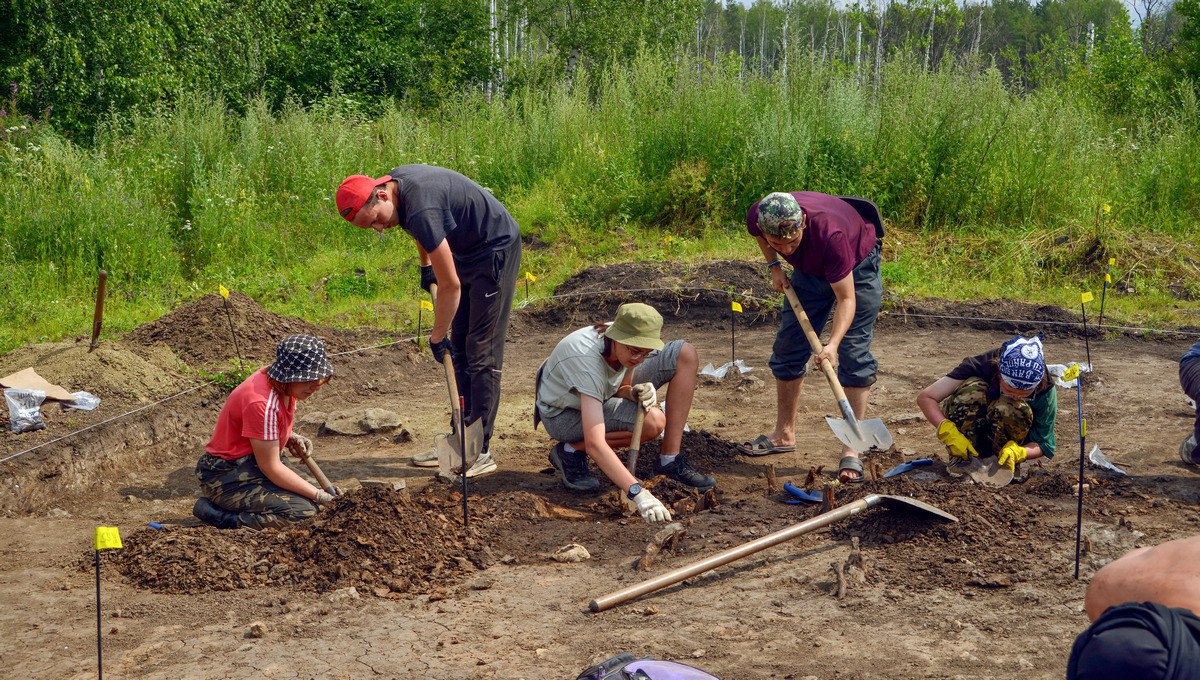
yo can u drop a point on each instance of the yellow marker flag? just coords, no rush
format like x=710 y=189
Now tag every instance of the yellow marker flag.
x=224 y=292
x=736 y=306
x=530 y=277
x=1071 y=373
x=1108 y=278
x=1083 y=428
x=107 y=538
x=427 y=305
x=1085 y=297
x=1112 y=261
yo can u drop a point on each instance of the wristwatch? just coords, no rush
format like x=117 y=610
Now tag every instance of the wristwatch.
x=634 y=489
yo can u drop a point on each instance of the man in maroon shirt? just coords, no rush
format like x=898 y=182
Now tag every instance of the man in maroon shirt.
x=833 y=247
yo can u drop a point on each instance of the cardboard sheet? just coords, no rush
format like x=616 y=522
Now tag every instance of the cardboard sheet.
x=29 y=379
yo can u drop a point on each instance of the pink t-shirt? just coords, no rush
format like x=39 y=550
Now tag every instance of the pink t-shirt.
x=836 y=238
x=253 y=411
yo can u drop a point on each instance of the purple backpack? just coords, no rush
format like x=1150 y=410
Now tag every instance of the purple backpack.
x=626 y=666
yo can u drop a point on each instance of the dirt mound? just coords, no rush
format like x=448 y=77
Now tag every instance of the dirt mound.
x=199 y=331
x=995 y=544
x=113 y=370
x=706 y=452
x=696 y=292
x=381 y=541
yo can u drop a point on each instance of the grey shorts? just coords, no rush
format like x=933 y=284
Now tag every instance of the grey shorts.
x=619 y=414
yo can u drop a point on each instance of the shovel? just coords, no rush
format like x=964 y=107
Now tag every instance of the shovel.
x=659 y=582
x=860 y=435
x=451 y=447
x=631 y=462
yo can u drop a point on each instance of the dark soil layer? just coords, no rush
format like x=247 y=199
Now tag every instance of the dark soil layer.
x=376 y=539
x=199 y=331
x=692 y=292
x=1010 y=316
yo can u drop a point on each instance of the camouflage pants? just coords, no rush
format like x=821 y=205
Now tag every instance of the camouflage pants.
x=989 y=425
x=240 y=488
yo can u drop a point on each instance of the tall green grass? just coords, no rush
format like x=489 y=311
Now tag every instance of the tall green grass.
x=992 y=191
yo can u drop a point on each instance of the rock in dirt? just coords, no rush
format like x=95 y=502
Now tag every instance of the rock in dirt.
x=362 y=421
x=258 y=629
x=344 y=594
x=571 y=553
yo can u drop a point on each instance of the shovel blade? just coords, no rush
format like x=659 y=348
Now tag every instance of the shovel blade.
x=910 y=503
x=874 y=434
x=450 y=456
x=989 y=473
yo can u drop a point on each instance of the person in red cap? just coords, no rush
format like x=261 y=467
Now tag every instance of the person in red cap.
x=471 y=248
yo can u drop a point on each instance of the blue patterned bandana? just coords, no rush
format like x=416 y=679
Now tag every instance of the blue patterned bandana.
x=1022 y=365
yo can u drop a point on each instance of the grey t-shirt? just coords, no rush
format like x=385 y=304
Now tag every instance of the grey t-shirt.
x=438 y=204
x=575 y=367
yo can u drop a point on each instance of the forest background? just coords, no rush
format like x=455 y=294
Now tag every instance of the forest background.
x=181 y=145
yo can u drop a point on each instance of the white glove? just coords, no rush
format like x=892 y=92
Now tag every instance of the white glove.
x=300 y=445
x=651 y=509
x=644 y=394
x=323 y=497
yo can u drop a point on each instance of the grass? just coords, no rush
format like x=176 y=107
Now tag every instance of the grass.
x=990 y=192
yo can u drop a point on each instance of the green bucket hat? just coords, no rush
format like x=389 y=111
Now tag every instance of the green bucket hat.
x=779 y=209
x=637 y=325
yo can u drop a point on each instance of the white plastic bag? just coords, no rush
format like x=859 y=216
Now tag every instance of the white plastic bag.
x=24 y=409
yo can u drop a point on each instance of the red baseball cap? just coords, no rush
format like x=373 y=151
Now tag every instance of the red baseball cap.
x=354 y=192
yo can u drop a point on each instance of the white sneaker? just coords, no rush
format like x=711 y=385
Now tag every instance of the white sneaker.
x=483 y=465
x=426 y=459
x=1185 y=449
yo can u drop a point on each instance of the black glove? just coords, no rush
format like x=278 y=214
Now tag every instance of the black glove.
x=427 y=277
x=439 y=348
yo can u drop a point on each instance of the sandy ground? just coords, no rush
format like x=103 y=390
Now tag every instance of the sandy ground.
x=995 y=599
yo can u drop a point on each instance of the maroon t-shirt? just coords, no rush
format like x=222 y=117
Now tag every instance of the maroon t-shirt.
x=835 y=239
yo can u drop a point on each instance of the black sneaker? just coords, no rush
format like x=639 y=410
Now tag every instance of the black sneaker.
x=206 y=511
x=573 y=466
x=685 y=474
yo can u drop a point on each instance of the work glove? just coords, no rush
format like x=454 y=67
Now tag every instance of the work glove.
x=956 y=444
x=1012 y=455
x=299 y=445
x=651 y=509
x=427 y=277
x=439 y=348
x=323 y=497
x=644 y=394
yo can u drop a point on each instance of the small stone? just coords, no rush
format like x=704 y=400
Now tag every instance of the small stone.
x=571 y=553
x=650 y=611
x=483 y=584
x=381 y=591
x=697 y=653
x=344 y=594
x=58 y=512
x=246 y=647
x=131 y=499
x=258 y=629
x=541 y=652
x=398 y=485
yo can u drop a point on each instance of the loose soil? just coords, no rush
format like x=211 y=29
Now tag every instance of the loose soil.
x=391 y=584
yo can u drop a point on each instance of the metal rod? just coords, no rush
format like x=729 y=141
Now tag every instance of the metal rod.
x=99 y=652
x=462 y=447
x=229 y=315
x=1082 y=444
x=675 y=576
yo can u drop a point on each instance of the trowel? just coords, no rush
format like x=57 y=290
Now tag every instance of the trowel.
x=860 y=435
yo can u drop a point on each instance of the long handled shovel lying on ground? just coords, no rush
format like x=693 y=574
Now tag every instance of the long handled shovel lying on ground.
x=625 y=594
x=860 y=435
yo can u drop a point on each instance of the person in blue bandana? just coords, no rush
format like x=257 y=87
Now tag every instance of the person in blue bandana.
x=1000 y=403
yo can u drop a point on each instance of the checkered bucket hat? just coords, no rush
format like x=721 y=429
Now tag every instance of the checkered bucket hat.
x=300 y=358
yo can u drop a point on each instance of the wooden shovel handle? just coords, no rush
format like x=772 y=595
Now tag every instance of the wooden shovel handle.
x=98 y=318
x=451 y=379
x=636 y=443
x=814 y=341
x=316 y=471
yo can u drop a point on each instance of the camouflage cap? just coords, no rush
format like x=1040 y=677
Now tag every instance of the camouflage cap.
x=779 y=215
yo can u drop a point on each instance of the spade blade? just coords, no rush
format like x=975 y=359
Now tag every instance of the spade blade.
x=872 y=433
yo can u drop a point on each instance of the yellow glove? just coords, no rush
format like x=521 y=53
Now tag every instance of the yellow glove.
x=1012 y=455
x=956 y=444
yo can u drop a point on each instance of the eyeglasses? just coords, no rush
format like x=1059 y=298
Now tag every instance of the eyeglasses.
x=639 y=352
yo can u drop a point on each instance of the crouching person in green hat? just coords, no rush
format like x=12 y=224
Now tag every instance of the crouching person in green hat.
x=588 y=393
x=243 y=480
